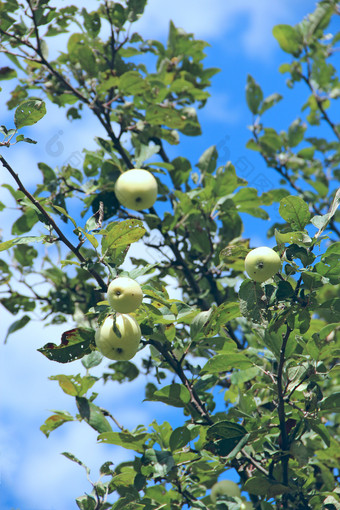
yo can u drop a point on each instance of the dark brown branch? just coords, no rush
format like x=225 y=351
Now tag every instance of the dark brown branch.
x=195 y=400
x=53 y=224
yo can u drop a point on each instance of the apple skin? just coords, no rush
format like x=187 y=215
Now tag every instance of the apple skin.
x=262 y=263
x=124 y=294
x=225 y=488
x=113 y=347
x=246 y=505
x=136 y=189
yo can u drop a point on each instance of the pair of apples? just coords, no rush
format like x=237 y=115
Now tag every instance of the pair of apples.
x=119 y=336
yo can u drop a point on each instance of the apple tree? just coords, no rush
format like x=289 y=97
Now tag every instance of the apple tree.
x=269 y=345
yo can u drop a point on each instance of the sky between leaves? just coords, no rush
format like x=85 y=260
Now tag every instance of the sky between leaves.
x=34 y=476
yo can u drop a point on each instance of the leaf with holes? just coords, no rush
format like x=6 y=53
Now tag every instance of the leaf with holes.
x=75 y=343
x=29 y=112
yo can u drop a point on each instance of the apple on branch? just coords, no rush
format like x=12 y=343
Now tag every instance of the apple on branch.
x=124 y=294
x=136 y=189
x=118 y=337
x=262 y=263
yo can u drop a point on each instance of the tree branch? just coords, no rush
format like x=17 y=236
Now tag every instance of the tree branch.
x=195 y=400
x=53 y=224
x=281 y=408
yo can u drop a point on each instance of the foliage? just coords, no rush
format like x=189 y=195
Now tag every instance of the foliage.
x=272 y=347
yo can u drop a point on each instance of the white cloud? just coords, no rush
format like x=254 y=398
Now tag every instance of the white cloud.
x=242 y=23
x=220 y=108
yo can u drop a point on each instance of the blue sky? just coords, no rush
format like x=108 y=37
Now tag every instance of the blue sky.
x=34 y=476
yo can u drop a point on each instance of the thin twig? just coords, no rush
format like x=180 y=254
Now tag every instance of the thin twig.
x=254 y=462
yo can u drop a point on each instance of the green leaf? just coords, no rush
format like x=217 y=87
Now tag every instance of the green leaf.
x=22 y=138
x=133 y=83
x=25 y=254
x=241 y=376
x=162 y=461
x=86 y=502
x=75 y=343
x=233 y=255
x=220 y=316
x=224 y=437
x=121 y=234
x=179 y=438
x=29 y=112
x=180 y=170
x=175 y=395
x=125 y=439
x=246 y=200
x=226 y=362
x=268 y=102
x=25 y=222
x=92 y=415
x=207 y=162
x=252 y=304
x=92 y=22
x=261 y=486
x=122 y=371
x=321 y=430
x=145 y=152
x=74 y=385
x=321 y=222
x=254 y=95
x=289 y=39
x=64 y=213
x=7 y=73
x=135 y=9
x=92 y=360
x=296 y=132
x=298 y=238
x=55 y=421
x=15 y=326
x=317 y=20
x=198 y=323
x=295 y=212
x=331 y=404
x=73 y=458
x=165 y=116
x=225 y=430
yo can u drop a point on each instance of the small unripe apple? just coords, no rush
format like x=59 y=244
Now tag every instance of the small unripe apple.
x=225 y=488
x=124 y=294
x=262 y=263
x=118 y=339
x=136 y=189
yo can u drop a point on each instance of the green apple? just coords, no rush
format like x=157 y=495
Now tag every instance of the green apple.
x=136 y=189
x=124 y=294
x=262 y=263
x=246 y=505
x=225 y=488
x=118 y=340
